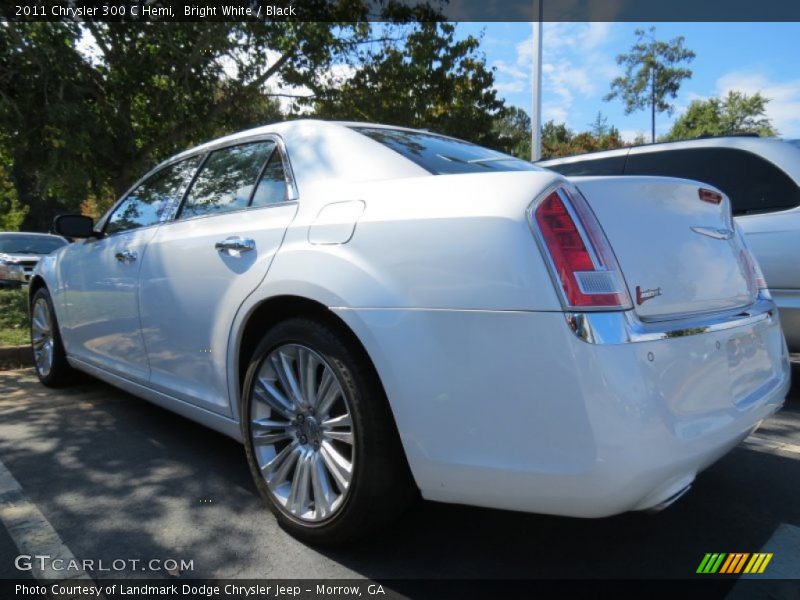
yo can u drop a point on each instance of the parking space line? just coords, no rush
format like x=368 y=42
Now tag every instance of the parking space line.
x=32 y=532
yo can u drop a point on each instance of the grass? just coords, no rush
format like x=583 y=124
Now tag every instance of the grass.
x=14 y=317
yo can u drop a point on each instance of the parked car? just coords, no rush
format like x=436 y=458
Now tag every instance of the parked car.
x=375 y=311
x=762 y=178
x=19 y=253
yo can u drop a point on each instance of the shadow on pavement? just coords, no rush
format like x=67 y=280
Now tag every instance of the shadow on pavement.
x=118 y=476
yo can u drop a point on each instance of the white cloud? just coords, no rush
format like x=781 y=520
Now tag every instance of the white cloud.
x=334 y=76
x=554 y=112
x=784 y=96
x=575 y=64
x=629 y=135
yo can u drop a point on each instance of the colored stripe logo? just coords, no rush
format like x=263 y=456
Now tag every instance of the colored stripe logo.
x=734 y=563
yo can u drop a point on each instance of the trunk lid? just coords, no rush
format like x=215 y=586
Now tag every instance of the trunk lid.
x=680 y=255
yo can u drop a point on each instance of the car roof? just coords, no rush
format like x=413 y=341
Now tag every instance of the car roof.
x=321 y=152
x=283 y=128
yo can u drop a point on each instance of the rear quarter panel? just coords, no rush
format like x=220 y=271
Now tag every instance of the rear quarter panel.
x=445 y=242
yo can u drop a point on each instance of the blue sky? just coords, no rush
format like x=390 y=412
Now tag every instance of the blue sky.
x=579 y=64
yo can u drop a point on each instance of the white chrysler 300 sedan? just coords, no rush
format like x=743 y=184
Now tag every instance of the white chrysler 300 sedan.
x=374 y=310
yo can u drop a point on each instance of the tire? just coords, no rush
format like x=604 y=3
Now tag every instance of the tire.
x=50 y=360
x=296 y=441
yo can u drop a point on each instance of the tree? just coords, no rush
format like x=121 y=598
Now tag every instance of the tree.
x=599 y=127
x=431 y=80
x=84 y=125
x=735 y=113
x=11 y=212
x=652 y=75
x=513 y=131
x=558 y=140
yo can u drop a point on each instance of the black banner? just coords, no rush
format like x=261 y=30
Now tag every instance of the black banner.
x=346 y=589
x=378 y=10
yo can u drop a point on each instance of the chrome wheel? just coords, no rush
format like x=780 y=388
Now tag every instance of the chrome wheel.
x=301 y=428
x=42 y=336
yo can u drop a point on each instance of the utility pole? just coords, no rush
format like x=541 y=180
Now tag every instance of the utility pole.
x=536 y=85
x=653 y=68
x=653 y=104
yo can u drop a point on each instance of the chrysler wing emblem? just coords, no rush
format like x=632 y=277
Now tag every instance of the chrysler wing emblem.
x=713 y=232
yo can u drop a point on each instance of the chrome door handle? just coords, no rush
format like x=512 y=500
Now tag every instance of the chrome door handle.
x=235 y=245
x=126 y=256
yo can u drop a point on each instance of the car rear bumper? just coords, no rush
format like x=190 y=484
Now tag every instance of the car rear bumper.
x=514 y=410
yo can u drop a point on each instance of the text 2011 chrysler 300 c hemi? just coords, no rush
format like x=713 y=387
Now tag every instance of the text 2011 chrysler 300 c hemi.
x=374 y=310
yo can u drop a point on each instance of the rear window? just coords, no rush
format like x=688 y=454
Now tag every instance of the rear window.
x=442 y=155
x=29 y=244
x=752 y=183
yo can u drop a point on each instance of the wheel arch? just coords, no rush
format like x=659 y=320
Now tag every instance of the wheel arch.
x=271 y=311
x=36 y=283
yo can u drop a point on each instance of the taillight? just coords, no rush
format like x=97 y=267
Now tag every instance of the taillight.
x=709 y=196
x=580 y=256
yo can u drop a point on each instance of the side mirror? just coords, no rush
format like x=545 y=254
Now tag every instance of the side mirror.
x=74 y=226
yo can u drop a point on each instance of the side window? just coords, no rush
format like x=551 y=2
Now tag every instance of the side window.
x=752 y=183
x=226 y=179
x=271 y=187
x=148 y=202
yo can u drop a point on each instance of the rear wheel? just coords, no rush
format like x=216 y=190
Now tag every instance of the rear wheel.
x=50 y=360
x=320 y=439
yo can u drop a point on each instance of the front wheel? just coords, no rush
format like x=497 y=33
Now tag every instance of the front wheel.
x=50 y=360
x=319 y=436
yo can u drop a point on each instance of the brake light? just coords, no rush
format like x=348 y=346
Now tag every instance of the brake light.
x=709 y=196
x=580 y=257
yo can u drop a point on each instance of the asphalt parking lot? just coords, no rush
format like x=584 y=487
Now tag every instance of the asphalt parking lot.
x=117 y=477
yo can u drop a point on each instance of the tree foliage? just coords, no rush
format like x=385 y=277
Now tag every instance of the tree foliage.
x=12 y=213
x=85 y=125
x=512 y=129
x=653 y=74
x=558 y=140
x=88 y=107
x=735 y=113
x=430 y=80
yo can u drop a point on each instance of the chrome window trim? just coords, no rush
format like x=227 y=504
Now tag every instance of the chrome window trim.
x=229 y=212
x=624 y=327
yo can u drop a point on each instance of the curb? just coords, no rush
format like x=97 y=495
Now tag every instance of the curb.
x=13 y=357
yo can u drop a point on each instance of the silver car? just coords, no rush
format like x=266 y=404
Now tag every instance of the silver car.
x=760 y=175
x=19 y=253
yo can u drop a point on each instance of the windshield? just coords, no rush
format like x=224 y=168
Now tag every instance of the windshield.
x=29 y=244
x=442 y=155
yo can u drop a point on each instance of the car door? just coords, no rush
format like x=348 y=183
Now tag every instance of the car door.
x=200 y=267
x=101 y=277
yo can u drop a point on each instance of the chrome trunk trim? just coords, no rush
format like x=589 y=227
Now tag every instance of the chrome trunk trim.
x=625 y=327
